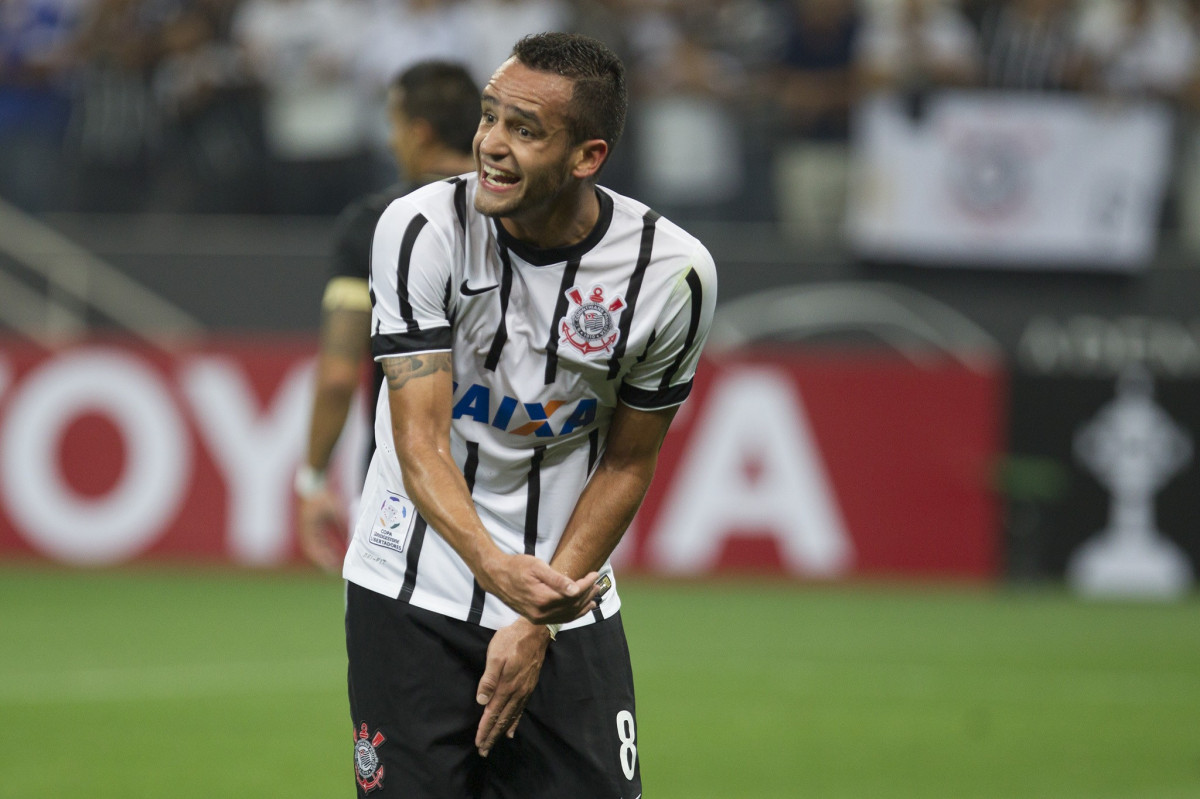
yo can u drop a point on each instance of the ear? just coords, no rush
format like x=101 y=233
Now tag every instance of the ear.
x=590 y=156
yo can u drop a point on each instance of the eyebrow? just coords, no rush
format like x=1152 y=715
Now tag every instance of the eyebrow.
x=514 y=109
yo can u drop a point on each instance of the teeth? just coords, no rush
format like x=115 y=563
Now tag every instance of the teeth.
x=497 y=174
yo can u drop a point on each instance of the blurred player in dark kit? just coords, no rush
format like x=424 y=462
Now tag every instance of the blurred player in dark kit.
x=433 y=111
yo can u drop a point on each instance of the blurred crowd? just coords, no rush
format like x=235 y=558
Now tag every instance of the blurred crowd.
x=275 y=106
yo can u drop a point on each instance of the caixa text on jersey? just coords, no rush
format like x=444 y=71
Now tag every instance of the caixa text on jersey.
x=522 y=418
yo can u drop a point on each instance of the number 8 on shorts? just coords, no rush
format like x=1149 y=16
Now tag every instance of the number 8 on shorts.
x=628 y=736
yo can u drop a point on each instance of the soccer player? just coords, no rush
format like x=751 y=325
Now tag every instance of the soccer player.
x=537 y=333
x=433 y=110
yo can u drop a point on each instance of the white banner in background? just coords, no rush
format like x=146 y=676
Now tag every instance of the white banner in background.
x=973 y=178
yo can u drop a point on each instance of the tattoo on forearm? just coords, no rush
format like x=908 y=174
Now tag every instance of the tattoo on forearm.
x=399 y=371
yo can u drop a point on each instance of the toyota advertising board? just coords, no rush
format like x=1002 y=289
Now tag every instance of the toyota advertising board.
x=782 y=461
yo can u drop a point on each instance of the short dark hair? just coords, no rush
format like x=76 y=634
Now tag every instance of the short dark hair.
x=443 y=94
x=599 y=100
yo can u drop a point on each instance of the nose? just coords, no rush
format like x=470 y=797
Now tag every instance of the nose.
x=492 y=141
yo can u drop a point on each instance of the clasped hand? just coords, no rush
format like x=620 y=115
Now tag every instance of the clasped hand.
x=543 y=595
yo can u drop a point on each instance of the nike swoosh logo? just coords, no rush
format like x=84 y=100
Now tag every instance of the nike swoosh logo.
x=467 y=291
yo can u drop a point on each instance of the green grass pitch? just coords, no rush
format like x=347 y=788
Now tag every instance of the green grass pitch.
x=175 y=683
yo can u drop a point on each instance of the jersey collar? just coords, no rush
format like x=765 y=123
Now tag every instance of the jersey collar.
x=538 y=256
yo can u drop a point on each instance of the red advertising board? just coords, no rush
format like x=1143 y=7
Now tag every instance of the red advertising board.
x=828 y=466
x=811 y=465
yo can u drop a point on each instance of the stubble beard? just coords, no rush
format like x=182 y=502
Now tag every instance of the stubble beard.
x=534 y=197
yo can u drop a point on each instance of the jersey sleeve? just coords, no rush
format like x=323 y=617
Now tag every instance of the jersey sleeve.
x=350 y=264
x=353 y=233
x=663 y=376
x=411 y=269
x=346 y=294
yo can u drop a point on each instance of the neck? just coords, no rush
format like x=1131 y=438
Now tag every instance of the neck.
x=567 y=219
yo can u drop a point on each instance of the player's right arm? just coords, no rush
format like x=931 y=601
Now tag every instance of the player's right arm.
x=419 y=396
x=411 y=266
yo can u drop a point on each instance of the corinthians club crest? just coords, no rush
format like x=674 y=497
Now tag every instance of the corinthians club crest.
x=590 y=324
x=368 y=769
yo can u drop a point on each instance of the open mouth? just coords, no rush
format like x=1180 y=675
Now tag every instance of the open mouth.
x=498 y=177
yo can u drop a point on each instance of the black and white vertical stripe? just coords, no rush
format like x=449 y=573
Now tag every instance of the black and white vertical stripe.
x=560 y=311
x=470 y=467
x=645 y=251
x=693 y=282
x=501 y=336
x=404 y=266
x=460 y=202
x=413 y=558
x=533 y=500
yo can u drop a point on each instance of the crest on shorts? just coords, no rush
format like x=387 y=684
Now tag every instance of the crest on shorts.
x=368 y=769
x=590 y=324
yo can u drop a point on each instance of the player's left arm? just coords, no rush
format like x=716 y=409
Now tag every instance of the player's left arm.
x=650 y=395
x=601 y=516
x=615 y=492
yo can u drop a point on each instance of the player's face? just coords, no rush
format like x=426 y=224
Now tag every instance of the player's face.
x=523 y=149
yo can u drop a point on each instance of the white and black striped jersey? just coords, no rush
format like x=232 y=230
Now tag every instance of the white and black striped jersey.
x=544 y=343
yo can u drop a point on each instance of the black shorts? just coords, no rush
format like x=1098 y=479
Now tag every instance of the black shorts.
x=413 y=678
